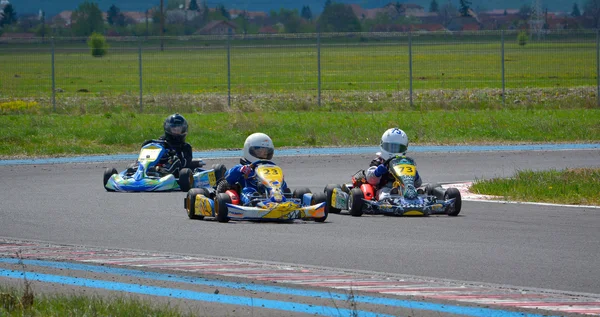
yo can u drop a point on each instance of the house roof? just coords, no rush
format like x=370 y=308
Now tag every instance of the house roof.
x=213 y=24
x=500 y=11
x=250 y=14
x=137 y=16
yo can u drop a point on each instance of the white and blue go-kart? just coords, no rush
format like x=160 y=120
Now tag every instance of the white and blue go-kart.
x=151 y=177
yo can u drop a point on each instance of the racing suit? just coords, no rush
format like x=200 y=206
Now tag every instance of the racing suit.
x=248 y=183
x=179 y=156
x=383 y=182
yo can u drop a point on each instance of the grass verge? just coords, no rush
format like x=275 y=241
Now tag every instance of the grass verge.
x=580 y=186
x=14 y=302
x=39 y=135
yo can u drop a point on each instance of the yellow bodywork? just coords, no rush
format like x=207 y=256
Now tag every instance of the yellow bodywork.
x=202 y=206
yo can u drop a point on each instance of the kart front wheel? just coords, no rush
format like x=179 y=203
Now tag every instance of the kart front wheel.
x=221 y=209
x=190 y=202
x=329 y=192
x=108 y=173
x=355 y=202
x=220 y=171
x=319 y=198
x=453 y=193
x=186 y=179
x=299 y=192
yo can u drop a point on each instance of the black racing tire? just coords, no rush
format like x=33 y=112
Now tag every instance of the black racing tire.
x=329 y=192
x=287 y=192
x=453 y=193
x=299 y=192
x=220 y=171
x=186 y=179
x=435 y=189
x=221 y=210
x=355 y=202
x=319 y=198
x=108 y=173
x=190 y=201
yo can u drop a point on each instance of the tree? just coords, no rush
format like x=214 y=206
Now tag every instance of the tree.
x=447 y=12
x=433 y=6
x=465 y=5
x=306 y=14
x=338 y=17
x=97 y=44
x=591 y=10
x=193 y=6
x=9 y=15
x=223 y=11
x=575 y=12
x=87 y=19
x=525 y=12
x=114 y=16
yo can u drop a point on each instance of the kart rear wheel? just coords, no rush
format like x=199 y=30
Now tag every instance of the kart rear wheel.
x=299 y=192
x=453 y=193
x=319 y=198
x=108 y=173
x=435 y=189
x=190 y=202
x=221 y=209
x=355 y=202
x=186 y=179
x=329 y=192
x=220 y=171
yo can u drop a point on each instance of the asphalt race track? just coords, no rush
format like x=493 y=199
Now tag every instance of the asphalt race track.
x=532 y=246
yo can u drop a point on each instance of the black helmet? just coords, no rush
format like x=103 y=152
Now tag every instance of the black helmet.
x=175 y=128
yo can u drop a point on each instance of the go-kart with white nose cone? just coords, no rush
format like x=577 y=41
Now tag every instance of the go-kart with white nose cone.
x=150 y=175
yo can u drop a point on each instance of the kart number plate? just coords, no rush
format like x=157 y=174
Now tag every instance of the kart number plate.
x=405 y=169
x=270 y=173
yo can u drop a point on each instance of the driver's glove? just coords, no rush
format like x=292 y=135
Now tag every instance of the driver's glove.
x=380 y=170
x=246 y=169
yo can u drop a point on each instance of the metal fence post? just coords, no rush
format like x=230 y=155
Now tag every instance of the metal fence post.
x=140 y=65
x=503 y=78
x=229 y=69
x=319 y=65
x=410 y=67
x=53 y=80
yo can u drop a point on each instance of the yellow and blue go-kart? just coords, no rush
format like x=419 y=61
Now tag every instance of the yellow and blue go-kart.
x=150 y=176
x=271 y=202
x=360 y=197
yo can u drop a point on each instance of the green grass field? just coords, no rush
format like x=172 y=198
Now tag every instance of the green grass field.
x=347 y=70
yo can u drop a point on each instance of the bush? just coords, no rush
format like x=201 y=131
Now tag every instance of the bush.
x=522 y=38
x=97 y=43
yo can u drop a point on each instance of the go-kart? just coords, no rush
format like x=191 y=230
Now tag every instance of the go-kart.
x=151 y=176
x=270 y=203
x=359 y=197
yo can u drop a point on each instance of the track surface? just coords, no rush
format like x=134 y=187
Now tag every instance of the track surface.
x=550 y=247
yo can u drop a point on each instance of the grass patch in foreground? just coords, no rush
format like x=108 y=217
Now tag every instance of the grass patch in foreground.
x=24 y=303
x=580 y=186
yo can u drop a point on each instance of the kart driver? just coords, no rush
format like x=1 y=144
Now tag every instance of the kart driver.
x=258 y=146
x=394 y=142
x=179 y=152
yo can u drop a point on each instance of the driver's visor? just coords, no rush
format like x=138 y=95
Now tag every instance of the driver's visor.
x=394 y=147
x=178 y=130
x=261 y=152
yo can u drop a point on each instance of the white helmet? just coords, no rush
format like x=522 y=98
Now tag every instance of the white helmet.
x=258 y=146
x=393 y=142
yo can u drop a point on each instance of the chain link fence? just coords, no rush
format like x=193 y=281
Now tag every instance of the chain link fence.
x=380 y=71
